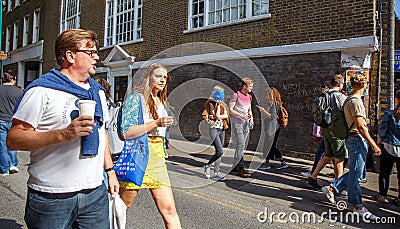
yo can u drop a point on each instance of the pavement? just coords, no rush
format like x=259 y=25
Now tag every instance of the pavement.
x=234 y=203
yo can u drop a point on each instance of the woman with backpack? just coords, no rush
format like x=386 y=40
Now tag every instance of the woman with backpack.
x=272 y=129
x=216 y=112
x=389 y=142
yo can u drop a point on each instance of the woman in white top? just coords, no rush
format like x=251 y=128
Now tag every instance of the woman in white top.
x=152 y=96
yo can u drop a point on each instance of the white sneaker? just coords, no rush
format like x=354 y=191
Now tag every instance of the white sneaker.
x=306 y=174
x=344 y=193
x=264 y=166
x=330 y=195
x=219 y=177
x=366 y=214
x=207 y=171
x=282 y=166
x=14 y=169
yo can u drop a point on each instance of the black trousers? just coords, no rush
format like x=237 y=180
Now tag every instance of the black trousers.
x=386 y=166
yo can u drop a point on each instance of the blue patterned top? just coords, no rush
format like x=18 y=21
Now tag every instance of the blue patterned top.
x=130 y=112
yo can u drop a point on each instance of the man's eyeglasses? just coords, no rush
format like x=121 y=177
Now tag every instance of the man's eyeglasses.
x=90 y=53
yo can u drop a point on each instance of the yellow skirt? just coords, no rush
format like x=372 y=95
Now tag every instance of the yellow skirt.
x=156 y=174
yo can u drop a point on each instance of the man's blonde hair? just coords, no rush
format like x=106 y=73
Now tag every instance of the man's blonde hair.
x=247 y=81
x=357 y=80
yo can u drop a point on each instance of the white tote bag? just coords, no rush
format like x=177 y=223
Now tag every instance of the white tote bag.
x=117 y=212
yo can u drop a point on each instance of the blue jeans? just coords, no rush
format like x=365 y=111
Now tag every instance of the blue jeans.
x=8 y=158
x=318 y=154
x=240 y=133
x=358 y=149
x=84 y=209
x=217 y=135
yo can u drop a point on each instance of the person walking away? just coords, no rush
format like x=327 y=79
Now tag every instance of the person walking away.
x=334 y=148
x=242 y=120
x=357 y=144
x=9 y=95
x=69 y=151
x=271 y=151
x=389 y=141
x=218 y=120
x=151 y=95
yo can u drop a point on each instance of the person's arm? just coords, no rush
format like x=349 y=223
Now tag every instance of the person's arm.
x=383 y=127
x=136 y=131
x=219 y=115
x=113 y=184
x=23 y=136
x=265 y=112
x=363 y=130
x=251 y=116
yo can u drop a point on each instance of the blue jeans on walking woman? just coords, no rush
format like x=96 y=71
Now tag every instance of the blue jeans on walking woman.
x=8 y=158
x=350 y=181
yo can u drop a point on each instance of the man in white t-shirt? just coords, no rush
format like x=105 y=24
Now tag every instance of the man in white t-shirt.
x=69 y=152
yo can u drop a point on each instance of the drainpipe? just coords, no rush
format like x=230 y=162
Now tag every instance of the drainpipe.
x=391 y=35
x=378 y=81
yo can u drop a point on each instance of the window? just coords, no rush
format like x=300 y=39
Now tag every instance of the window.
x=15 y=35
x=26 y=31
x=212 y=12
x=8 y=38
x=123 y=21
x=36 y=20
x=9 y=5
x=70 y=14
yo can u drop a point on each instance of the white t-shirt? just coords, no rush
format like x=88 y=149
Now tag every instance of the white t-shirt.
x=60 y=168
x=162 y=112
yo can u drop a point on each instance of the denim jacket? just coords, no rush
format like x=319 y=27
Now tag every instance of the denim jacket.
x=389 y=129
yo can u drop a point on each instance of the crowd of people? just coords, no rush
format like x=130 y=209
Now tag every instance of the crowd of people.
x=70 y=153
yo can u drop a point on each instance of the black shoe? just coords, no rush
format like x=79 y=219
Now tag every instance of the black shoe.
x=313 y=183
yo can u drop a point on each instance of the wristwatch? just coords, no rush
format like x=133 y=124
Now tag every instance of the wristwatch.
x=109 y=169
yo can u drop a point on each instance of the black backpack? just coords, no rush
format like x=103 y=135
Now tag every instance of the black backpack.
x=322 y=108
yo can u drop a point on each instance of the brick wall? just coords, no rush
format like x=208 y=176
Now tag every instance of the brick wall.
x=298 y=78
x=305 y=21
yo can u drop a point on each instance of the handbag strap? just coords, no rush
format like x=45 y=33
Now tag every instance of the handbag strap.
x=140 y=118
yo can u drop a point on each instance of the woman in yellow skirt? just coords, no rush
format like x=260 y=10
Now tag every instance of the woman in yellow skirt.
x=152 y=96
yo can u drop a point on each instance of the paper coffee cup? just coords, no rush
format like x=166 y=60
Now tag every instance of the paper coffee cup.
x=87 y=108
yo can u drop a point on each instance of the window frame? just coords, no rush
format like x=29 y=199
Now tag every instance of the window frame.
x=70 y=21
x=15 y=35
x=208 y=12
x=8 y=39
x=36 y=25
x=25 y=38
x=114 y=13
x=9 y=5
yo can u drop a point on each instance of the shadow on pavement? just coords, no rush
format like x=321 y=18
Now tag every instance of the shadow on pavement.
x=10 y=224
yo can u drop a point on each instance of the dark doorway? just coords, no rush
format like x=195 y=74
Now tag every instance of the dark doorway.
x=31 y=71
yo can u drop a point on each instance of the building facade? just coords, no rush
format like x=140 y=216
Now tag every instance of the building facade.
x=296 y=48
